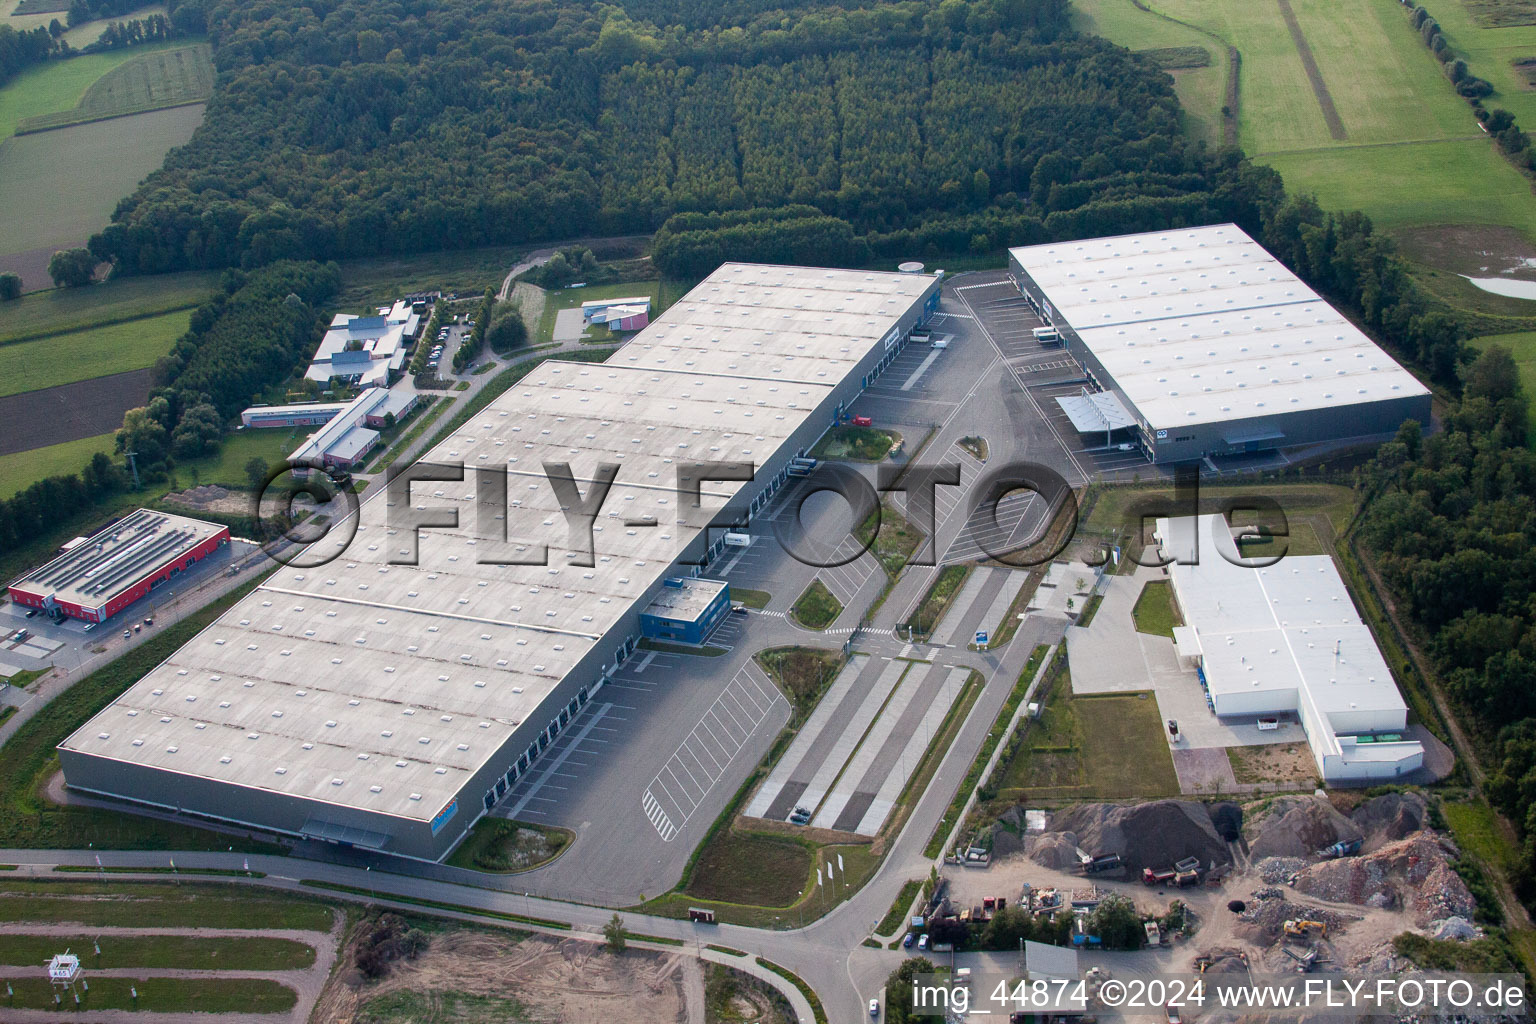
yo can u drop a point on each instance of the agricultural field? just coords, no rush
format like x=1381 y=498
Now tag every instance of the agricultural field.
x=68 y=412
x=62 y=185
x=58 y=310
x=20 y=470
x=61 y=84
x=150 y=81
x=92 y=352
x=1405 y=148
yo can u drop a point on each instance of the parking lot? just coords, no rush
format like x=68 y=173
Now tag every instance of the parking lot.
x=640 y=773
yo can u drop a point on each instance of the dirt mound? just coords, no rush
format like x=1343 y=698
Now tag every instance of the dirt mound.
x=1150 y=835
x=1299 y=826
x=1263 y=922
x=1226 y=961
x=1390 y=817
x=1228 y=819
x=1414 y=873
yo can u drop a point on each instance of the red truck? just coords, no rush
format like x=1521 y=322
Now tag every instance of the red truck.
x=1150 y=877
x=863 y=421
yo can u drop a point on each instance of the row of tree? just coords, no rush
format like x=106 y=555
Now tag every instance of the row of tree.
x=20 y=50
x=1499 y=123
x=474 y=342
x=256 y=331
x=156 y=28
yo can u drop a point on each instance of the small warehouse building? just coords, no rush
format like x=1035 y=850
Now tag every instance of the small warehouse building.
x=1197 y=343
x=105 y=573
x=618 y=315
x=1286 y=639
x=387 y=701
x=686 y=610
x=314 y=414
x=353 y=431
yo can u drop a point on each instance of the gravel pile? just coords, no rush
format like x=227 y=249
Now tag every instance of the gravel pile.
x=1268 y=892
x=1299 y=826
x=1149 y=835
x=1279 y=870
x=1263 y=923
x=1390 y=817
x=1455 y=929
x=1414 y=872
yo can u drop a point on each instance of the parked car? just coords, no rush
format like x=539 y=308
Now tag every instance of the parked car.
x=127 y=635
x=31 y=613
x=906 y=941
x=922 y=941
x=874 y=1008
x=89 y=626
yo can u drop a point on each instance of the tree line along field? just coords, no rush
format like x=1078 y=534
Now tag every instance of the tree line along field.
x=151 y=81
x=89 y=352
x=1413 y=154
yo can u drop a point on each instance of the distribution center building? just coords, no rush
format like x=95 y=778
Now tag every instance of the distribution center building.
x=1200 y=343
x=1286 y=639
x=388 y=705
x=107 y=572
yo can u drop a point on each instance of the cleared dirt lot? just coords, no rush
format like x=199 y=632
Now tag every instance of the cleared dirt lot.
x=34 y=419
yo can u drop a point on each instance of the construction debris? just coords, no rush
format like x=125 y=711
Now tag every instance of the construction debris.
x=1413 y=873
x=1299 y=827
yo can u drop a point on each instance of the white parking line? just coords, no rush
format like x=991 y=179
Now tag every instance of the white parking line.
x=713 y=733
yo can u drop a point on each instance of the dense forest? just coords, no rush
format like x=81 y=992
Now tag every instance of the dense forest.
x=344 y=128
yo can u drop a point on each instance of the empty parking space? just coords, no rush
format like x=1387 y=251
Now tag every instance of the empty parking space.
x=701 y=760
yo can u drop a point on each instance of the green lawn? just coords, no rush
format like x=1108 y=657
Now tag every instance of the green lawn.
x=817 y=608
x=498 y=845
x=1092 y=748
x=60 y=84
x=568 y=298
x=862 y=444
x=121 y=904
x=162 y=995
x=801 y=672
x=71 y=309
x=1154 y=612
x=897 y=915
x=749 y=867
x=22 y=469
x=895 y=540
x=228 y=466
x=186 y=952
x=93 y=352
x=751 y=598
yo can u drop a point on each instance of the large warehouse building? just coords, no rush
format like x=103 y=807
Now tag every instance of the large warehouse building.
x=107 y=572
x=1286 y=639
x=1199 y=343
x=388 y=706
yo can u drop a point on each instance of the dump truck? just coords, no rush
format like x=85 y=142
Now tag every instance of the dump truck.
x=1184 y=879
x=1187 y=864
x=1161 y=877
x=1103 y=862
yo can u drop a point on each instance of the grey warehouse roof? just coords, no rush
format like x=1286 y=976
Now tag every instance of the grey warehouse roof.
x=385 y=687
x=1203 y=325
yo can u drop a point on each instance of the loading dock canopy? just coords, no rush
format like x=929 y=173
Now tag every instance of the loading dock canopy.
x=330 y=831
x=1091 y=414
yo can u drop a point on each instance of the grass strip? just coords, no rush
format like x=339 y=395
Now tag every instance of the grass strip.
x=816 y=608
x=727 y=950
x=805 y=990
x=162 y=952
x=662 y=939
x=897 y=915
x=160 y=995
x=89 y=869
x=456 y=908
x=124 y=903
x=936 y=602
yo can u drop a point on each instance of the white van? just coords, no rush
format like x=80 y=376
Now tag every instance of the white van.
x=941 y=341
x=1046 y=335
x=738 y=540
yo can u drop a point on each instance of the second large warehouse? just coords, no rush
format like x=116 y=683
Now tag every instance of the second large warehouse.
x=388 y=706
x=1197 y=343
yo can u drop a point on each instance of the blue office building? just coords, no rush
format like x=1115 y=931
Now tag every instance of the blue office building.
x=686 y=610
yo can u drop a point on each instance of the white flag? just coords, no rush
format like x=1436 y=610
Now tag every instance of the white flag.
x=818 y=875
x=98 y=860
x=247 y=864
x=173 y=863
x=840 y=868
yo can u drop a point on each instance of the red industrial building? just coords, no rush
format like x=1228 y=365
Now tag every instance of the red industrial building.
x=108 y=571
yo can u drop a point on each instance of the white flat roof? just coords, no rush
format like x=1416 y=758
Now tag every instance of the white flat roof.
x=1277 y=629
x=385 y=687
x=1203 y=325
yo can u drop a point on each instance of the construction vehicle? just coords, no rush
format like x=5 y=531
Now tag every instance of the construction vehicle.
x=1187 y=864
x=1343 y=848
x=1304 y=958
x=1163 y=877
x=1184 y=879
x=1306 y=928
x=1154 y=937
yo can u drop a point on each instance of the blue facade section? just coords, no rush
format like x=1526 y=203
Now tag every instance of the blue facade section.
x=657 y=627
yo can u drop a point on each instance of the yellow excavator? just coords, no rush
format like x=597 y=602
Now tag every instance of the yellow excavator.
x=1306 y=928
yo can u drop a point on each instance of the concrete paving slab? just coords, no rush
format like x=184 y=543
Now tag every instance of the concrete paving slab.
x=890 y=790
x=851 y=722
x=768 y=793
x=875 y=741
x=954 y=616
x=1012 y=580
x=569 y=324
